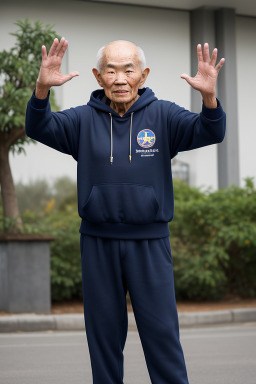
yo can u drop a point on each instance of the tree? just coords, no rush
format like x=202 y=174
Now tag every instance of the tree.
x=19 y=68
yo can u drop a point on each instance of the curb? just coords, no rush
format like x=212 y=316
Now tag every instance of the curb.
x=75 y=322
x=239 y=315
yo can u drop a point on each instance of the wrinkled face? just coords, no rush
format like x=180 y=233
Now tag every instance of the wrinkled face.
x=121 y=75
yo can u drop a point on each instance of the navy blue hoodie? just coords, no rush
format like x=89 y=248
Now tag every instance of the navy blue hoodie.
x=124 y=179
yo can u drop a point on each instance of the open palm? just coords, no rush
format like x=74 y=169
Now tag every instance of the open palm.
x=206 y=77
x=50 y=71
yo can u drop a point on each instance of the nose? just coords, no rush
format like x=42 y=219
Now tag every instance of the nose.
x=120 y=78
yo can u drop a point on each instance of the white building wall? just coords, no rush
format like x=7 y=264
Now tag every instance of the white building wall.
x=246 y=59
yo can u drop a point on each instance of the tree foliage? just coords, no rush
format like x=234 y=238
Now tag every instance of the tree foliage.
x=39 y=195
x=19 y=68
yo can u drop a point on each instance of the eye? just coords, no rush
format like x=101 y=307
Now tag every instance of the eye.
x=111 y=72
x=128 y=71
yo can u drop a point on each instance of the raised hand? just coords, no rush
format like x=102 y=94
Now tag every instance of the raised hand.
x=50 y=71
x=206 y=77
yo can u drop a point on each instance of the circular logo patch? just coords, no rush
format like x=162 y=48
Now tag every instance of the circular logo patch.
x=146 y=138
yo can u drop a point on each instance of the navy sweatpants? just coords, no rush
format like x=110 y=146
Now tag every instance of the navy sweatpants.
x=144 y=267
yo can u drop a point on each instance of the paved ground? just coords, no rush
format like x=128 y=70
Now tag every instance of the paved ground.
x=220 y=354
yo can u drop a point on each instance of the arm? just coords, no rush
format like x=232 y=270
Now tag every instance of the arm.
x=189 y=130
x=58 y=130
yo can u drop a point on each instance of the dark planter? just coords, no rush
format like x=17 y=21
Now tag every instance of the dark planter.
x=25 y=284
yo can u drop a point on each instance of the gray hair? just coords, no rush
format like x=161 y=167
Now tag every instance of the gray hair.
x=141 y=55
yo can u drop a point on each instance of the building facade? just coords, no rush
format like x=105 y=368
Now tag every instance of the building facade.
x=168 y=36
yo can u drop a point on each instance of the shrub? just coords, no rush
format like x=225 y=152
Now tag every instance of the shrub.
x=213 y=238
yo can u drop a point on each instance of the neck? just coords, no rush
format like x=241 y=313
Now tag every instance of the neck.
x=122 y=108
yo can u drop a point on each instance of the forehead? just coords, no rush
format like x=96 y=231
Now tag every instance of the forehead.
x=120 y=54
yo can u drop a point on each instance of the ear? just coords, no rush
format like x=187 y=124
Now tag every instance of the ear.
x=97 y=76
x=144 y=76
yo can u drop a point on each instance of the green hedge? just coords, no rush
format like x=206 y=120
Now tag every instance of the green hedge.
x=213 y=239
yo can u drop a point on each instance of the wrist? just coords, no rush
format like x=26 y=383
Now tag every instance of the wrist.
x=41 y=91
x=209 y=101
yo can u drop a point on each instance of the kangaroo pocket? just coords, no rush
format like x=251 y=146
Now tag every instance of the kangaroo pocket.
x=121 y=203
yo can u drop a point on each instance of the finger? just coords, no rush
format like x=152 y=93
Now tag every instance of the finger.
x=63 y=49
x=59 y=47
x=214 y=57
x=44 y=53
x=71 y=75
x=186 y=77
x=220 y=64
x=206 y=55
x=199 y=52
x=53 y=47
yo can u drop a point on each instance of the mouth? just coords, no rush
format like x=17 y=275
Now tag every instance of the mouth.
x=121 y=92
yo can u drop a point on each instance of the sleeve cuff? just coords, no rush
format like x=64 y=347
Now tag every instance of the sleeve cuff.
x=213 y=113
x=39 y=103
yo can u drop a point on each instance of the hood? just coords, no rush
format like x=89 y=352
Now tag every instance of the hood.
x=146 y=97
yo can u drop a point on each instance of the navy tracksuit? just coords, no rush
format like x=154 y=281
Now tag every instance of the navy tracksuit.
x=125 y=201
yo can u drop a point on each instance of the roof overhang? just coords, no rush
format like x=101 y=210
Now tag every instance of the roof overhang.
x=245 y=7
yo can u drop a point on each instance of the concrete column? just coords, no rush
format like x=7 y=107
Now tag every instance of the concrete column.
x=25 y=283
x=217 y=27
x=228 y=150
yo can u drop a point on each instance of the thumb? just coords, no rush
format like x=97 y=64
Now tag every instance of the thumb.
x=186 y=77
x=71 y=75
x=65 y=78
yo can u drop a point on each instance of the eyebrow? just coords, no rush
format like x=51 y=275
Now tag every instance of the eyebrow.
x=127 y=65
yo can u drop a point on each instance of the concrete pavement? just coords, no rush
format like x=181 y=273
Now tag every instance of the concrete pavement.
x=213 y=355
x=75 y=322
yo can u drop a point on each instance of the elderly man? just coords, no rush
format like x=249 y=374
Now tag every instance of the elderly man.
x=123 y=141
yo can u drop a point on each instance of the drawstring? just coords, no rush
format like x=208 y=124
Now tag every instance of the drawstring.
x=111 y=139
x=130 y=155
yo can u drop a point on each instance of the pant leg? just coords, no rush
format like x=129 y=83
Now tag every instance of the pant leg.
x=149 y=276
x=105 y=308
